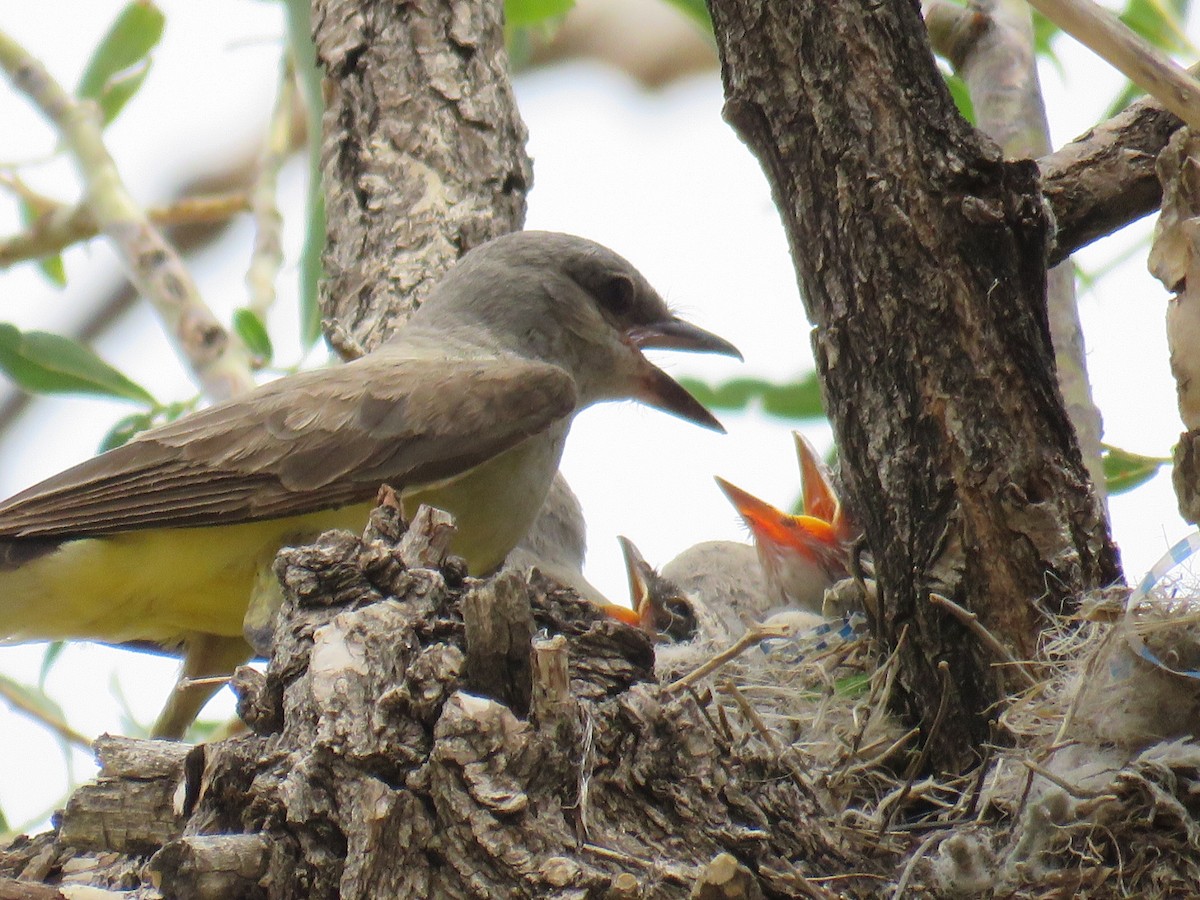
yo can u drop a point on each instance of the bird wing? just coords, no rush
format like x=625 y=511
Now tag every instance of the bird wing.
x=310 y=441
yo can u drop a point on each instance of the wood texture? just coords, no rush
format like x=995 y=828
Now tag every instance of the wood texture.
x=921 y=260
x=424 y=152
x=383 y=776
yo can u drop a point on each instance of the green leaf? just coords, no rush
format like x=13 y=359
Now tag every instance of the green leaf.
x=131 y=426
x=53 y=651
x=697 y=11
x=51 y=266
x=852 y=685
x=1123 y=471
x=1044 y=33
x=962 y=96
x=794 y=400
x=120 y=91
x=126 y=430
x=54 y=270
x=44 y=363
x=130 y=38
x=522 y=13
x=35 y=698
x=249 y=327
x=1157 y=23
x=201 y=731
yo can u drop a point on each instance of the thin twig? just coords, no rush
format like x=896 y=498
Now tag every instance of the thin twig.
x=218 y=360
x=1072 y=790
x=702 y=706
x=1140 y=61
x=918 y=764
x=877 y=698
x=906 y=875
x=876 y=760
x=747 y=709
x=185 y=683
x=54 y=723
x=989 y=640
x=1089 y=672
x=61 y=226
x=678 y=874
x=267 y=258
x=753 y=636
x=977 y=788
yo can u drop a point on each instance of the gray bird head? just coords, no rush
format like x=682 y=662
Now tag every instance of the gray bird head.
x=574 y=303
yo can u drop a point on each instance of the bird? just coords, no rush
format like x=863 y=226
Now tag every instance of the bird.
x=800 y=555
x=556 y=545
x=714 y=589
x=163 y=540
x=671 y=613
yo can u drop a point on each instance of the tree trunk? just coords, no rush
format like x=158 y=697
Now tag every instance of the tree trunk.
x=424 y=151
x=921 y=257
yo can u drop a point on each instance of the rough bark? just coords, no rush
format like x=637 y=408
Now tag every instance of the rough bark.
x=921 y=257
x=1097 y=183
x=424 y=152
x=1105 y=179
x=991 y=45
x=374 y=772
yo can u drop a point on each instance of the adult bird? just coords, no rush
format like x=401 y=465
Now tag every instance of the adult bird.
x=466 y=408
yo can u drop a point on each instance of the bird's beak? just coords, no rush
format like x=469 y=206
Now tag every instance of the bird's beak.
x=820 y=500
x=809 y=535
x=622 y=614
x=656 y=387
x=638 y=572
x=820 y=496
x=653 y=611
x=676 y=334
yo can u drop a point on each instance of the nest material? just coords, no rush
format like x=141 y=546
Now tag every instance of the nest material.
x=1095 y=790
x=379 y=769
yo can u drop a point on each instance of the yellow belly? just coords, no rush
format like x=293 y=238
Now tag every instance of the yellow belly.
x=161 y=584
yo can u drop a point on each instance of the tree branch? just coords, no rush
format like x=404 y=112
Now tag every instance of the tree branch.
x=219 y=362
x=1105 y=179
x=423 y=155
x=992 y=48
x=1139 y=60
x=920 y=253
x=62 y=226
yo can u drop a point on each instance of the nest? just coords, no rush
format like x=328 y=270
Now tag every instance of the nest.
x=404 y=744
x=1092 y=788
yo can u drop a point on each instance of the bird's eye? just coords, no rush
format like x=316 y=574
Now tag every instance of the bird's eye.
x=617 y=294
x=681 y=624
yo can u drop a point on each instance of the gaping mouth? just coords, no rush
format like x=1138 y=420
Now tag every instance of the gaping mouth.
x=812 y=537
x=657 y=388
x=676 y=334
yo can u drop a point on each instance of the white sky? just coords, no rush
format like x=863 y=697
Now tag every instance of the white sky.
x=657 y=176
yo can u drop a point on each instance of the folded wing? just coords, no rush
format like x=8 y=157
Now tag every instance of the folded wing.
x=311 y=441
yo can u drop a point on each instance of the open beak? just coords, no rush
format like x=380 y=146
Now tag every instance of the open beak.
x=660 y=609
x=622 y=614
x=657 y=388
x=676 y=334
x=638 y=571
x=816 y=483
x=812 y=537
x=820 y=496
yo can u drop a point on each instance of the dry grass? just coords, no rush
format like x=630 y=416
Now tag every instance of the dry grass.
x=1094 y=791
